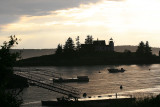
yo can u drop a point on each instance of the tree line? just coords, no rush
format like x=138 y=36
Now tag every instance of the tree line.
x=70 y=47
x=143 y=49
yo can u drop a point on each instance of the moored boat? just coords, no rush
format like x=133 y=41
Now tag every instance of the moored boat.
x=116 y=70
x=78 y=79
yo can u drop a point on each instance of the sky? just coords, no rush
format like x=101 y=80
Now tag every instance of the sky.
x=43 y=24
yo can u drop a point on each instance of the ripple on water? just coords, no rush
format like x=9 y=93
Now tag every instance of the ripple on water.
x=136 y=79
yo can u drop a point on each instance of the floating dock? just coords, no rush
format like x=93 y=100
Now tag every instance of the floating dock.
x=78 y=79
x=91 y=101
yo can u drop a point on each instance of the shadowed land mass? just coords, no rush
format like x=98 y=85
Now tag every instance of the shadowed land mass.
x=95 y=52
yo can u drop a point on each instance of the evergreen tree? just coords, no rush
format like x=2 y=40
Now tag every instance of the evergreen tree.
x=59 y=49
x=144 y=49
x=69 y=46
x=141 y=49
x=148 y=51
x=89 y=39
x=78 y=44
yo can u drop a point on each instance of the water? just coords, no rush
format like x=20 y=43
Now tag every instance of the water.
x=137 y=80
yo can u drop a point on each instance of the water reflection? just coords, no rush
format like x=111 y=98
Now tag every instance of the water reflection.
x=136 y=78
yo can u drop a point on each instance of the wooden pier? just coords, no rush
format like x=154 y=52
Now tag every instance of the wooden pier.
x=37 y=79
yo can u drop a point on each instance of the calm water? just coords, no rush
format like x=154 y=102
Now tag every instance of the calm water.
x=137 y=80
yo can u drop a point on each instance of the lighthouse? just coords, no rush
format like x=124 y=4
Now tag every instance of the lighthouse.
x=111 y=44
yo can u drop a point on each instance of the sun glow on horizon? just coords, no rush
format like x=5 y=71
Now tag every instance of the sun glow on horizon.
x=128 y=22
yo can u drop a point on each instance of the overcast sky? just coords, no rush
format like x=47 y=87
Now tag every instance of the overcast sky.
x=46 y=23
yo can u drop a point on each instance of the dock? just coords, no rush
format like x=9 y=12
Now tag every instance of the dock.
x=78 y=79
x=39 y=81
x=92 y=101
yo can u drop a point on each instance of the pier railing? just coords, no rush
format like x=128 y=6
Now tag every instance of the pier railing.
x=40 y=81
x=45 y=72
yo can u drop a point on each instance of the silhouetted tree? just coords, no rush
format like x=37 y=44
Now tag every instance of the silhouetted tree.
x=89 y=39
x=141 y=49
x=59 y=49
x=127 y=52
x=148 y=51
x=69 y=46
x=7 y=60
x=144 y=49
x=78 y=45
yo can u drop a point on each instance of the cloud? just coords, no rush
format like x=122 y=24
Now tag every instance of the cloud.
x=116 y=0
x=11 y=10
x=125 y=21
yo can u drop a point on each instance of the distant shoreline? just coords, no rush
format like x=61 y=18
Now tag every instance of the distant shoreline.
x=29 y=53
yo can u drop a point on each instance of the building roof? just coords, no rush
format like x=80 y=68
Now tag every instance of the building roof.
x=99 y=42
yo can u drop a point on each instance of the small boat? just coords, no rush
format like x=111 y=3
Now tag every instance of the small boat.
x=116 y=70
x=78 y=79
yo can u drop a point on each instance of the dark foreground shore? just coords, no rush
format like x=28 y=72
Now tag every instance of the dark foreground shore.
x=146 y=102
x=92 y=103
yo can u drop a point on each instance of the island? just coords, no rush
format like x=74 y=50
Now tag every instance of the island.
x=92 y=52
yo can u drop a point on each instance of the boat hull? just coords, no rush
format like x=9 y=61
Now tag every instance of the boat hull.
x=115 y=70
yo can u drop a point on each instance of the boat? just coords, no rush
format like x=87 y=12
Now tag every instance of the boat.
x=90 y=101
x=78 y=79
x=116 y=70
